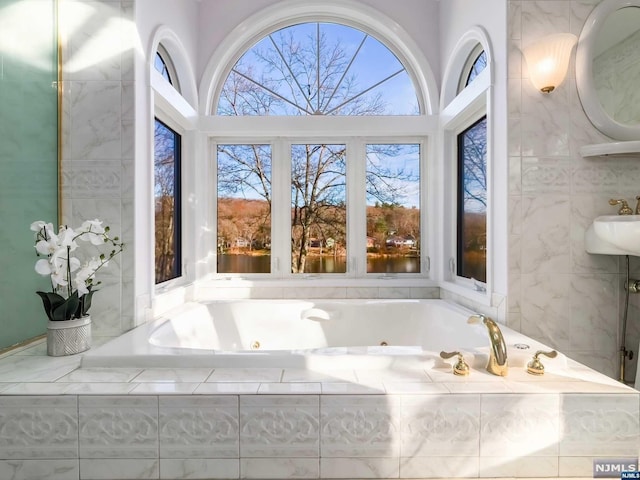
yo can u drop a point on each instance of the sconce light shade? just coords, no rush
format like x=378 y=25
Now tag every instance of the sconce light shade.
x=548 y=60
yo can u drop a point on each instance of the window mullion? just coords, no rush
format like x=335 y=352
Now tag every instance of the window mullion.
x=281 y=209
x=356 y=208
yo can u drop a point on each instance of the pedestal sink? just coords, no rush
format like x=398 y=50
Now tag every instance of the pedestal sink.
x=614 y=235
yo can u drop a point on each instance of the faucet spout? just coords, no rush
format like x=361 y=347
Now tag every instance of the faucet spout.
x=498 y=363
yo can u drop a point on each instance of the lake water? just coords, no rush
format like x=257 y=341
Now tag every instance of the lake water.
x=262 y=264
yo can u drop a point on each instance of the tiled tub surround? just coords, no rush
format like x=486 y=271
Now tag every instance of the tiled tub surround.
x=59 y=421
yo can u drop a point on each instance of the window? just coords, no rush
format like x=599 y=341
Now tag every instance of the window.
x=393 y=208
x=472 y=202
x=318 y=69
x=167 y=203
x=244 y=208
x=300 y=195
x=475 y=64
x=164 y=65
x=318 y=208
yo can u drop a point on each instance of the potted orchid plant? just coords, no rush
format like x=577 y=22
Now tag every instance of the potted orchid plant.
x=73 y=278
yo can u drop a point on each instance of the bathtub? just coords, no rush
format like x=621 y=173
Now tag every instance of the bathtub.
x=316 y=334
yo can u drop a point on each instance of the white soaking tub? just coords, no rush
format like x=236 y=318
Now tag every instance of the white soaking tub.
x=310 y=334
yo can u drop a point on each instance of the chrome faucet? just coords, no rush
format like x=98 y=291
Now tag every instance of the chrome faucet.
x=498 y=363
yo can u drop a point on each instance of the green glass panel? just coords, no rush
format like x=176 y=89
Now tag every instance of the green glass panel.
x=28 y=158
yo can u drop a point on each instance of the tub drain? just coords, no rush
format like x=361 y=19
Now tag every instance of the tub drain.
x=255 y=345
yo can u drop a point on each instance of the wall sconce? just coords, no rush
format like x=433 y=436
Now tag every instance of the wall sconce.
x=548 y=60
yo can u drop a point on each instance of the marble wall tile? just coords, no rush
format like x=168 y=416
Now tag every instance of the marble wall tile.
x=95 y=120
x=440 y=425
x=394 y=292
x=100 y=30
x=599 y=425
x=360 y=426
x=546 y=308
x=544 y=17
x=439 y=467
x=315 y=292
x=38 y=427
x=519 y=425
x=199 y=427
x=284 y=426
x=88 y=180
x=545 y=234
x=279 y=468
x=362 y=292
x=518 y=467
x=119 y=469
x=594 y=323
x=49 y=469
x=546 y=175
x=425 y=292
x=201 y=468
x=118 y=427
x=359 y=468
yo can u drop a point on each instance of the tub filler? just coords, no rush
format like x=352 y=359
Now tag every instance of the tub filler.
x=311 y=334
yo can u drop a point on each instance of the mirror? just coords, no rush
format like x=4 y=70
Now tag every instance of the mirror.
x=608 y=68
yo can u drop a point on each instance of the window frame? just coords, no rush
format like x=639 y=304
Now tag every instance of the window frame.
x=178 y=207
x=460 y=210
x=468 y=107
x=355 y=199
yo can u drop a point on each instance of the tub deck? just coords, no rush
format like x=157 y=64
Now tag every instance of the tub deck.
x=397 y=422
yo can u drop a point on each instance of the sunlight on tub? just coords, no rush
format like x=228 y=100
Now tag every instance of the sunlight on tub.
x=193 y=328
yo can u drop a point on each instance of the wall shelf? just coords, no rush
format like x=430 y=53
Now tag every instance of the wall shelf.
x=612 y=149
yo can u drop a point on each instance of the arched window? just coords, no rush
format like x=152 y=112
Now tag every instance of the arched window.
x=467 y=165
x=475 y=64
x=164 y=65
x=297 y=191
x=318 y=69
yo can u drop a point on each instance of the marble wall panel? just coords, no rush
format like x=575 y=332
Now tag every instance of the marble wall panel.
x=283 y=426
x=38 y=428
x=360 y=426
x=199 y=427
x=599 y=425
x=118 y=427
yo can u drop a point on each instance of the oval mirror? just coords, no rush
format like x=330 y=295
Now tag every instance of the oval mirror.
x=608 y=68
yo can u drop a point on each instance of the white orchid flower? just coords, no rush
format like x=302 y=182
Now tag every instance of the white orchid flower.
x=94 y=226
x=37 y=226
x=47 y=247
x=67 y=238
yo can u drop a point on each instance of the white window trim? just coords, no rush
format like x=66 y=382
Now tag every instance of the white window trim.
x=471 y=105
x=356 y=222
x=170 y=107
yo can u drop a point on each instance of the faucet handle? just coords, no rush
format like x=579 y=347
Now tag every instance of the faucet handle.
x=624 y=206
x=460 y=367
x=638 y=205
x=535 y=367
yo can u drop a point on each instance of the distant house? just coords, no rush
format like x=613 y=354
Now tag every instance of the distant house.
x=241 y=242
x=400 y=241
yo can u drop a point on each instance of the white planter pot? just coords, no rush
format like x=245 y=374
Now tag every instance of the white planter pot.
x=68 y=337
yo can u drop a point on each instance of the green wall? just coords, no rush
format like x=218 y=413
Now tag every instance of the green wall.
x=28 y=158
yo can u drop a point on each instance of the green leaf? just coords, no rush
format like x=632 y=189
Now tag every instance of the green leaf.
x=50 y=300
x=84 y=304
x=66 y=309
